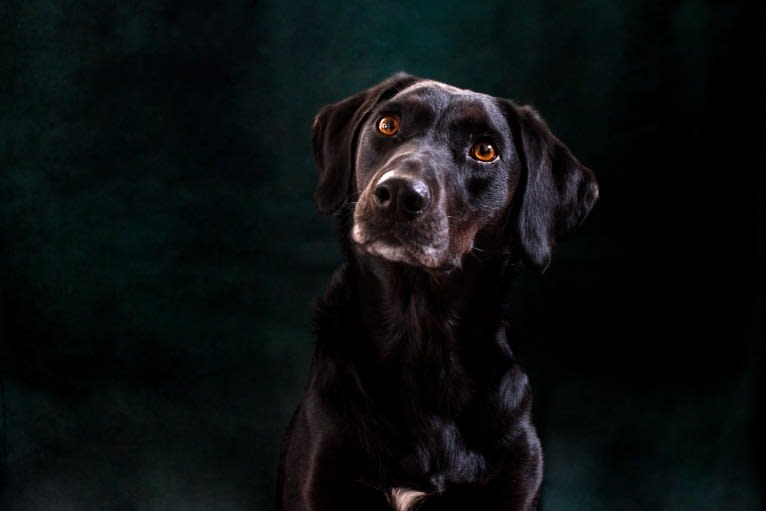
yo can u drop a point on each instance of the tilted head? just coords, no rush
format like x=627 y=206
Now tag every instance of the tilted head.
x=428 y=168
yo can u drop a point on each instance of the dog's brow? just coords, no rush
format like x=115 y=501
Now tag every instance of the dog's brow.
x=474 y=118
x=472 y=112
x=409 y=103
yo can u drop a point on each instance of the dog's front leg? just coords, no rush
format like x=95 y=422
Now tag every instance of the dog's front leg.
x=328 y=485
x=318 y=471
x=516 y=487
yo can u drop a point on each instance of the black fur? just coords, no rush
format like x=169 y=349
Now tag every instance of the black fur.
x=413 y=383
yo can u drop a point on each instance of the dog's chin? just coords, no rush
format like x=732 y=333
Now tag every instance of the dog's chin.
x=394 y=250
x=398 y=253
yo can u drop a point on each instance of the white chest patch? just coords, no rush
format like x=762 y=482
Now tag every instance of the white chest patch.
x=404 y=499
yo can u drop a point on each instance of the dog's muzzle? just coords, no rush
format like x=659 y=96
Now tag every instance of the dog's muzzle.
x=398 y=218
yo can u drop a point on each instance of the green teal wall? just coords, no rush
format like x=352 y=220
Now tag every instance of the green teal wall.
x=159 y=247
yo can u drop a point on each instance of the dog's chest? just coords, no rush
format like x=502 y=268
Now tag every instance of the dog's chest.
x=435 y=426
x=430 y=402
x=435 y=454
x=433 y=462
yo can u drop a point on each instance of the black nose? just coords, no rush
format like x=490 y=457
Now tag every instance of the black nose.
x=404 y=197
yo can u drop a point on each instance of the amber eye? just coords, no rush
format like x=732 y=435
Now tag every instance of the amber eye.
x=483 y=151
x=389 y=125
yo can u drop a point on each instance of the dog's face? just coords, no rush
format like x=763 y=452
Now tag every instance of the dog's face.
x=426 y=167
x=434 y=165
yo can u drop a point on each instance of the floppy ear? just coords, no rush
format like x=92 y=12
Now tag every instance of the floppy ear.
x=335 y=133
x=558 y=192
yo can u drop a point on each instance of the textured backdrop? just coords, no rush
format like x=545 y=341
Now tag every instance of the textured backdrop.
x=159 y=247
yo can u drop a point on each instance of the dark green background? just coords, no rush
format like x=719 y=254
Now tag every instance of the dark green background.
x=159 y=246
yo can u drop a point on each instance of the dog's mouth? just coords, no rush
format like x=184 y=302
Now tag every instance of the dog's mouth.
x=397 y=247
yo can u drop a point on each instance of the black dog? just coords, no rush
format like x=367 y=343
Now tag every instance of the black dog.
x=414 y=398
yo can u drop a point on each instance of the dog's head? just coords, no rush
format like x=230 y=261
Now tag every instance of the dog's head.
x=428 y=168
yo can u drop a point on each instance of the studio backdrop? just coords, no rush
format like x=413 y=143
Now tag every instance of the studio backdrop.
x=160 y=247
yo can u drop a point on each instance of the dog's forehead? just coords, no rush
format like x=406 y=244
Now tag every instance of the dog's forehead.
x=433 y=88
x=438 y=95
x=433 y=84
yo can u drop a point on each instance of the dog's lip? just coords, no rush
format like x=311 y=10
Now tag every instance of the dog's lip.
x=363 y=239
x=375 y=245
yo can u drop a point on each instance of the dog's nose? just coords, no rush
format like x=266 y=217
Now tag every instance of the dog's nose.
x=402 y=196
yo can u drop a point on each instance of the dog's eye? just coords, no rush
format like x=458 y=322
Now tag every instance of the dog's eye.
x=483 y=151
x=389 y=125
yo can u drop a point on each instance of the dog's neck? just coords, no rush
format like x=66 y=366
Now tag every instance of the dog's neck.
x=436 y=337
x=384 y=329
x=405 y=307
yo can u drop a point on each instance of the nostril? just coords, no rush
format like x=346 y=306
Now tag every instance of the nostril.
x=414 y=199
x=382 y=195
x=413 y=203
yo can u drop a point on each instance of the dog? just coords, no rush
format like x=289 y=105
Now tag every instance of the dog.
x=414 y=398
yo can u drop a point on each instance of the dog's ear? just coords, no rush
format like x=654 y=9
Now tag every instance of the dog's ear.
x=335 y=133
x=558 y=191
